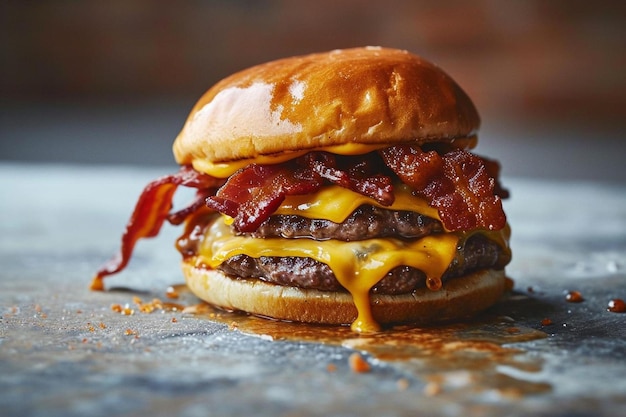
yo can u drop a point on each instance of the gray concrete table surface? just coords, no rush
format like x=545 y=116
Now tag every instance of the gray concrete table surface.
x=64 y=351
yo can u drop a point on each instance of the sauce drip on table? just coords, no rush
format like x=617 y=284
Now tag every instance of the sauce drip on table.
x=472 y=355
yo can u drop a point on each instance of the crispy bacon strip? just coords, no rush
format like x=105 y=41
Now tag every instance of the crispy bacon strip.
x=493 y=170
x=151 y=211
x=180 y=216
x=458 y=183
x=363 y=176
x=252 y=194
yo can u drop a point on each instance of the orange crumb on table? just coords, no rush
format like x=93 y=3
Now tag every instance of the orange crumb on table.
x=403 y=384
x=124 y=310
x=574 y=297
x=432 y=388
x=358 y=364
x=616 y=305
x=171 y=293
x=130 y=332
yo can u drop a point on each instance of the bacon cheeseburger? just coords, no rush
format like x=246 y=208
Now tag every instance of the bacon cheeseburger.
x=334 y=188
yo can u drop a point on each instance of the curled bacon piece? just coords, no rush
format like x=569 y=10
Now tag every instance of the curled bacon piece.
x=151 y=210
x=180 y=216
x=493 y=170
x=362 y=176
x=253 y=193
x=461 y=185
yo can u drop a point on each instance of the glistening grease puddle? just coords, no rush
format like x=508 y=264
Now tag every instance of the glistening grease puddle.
x=473 y=357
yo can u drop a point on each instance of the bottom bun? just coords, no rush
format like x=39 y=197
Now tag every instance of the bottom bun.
x=459 y=297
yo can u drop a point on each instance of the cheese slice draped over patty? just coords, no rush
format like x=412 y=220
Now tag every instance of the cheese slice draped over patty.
x=358 y=265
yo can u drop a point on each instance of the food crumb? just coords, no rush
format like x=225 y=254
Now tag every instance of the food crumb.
x=331 y=367
x=511 y=393
x=147 y=307
x=125 y=310
x=358 y=364
x=402 y=384
x=432 y=388
x=616 y=305
x=574 y=297
x=130 y=332
x=174 y=320
x=546 y=322
x=171 y=293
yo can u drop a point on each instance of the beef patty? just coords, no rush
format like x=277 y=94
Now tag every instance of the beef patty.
x=477 y=253
x=366 y=222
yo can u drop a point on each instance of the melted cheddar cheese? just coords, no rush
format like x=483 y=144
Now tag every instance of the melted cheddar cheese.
x=336 y=203
x=358 y=266
x=226 y=169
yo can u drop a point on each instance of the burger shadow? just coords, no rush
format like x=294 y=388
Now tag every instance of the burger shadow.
x=129 y=290
x=523 y=307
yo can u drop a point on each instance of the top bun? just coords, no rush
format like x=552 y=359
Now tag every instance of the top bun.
x=365 y=95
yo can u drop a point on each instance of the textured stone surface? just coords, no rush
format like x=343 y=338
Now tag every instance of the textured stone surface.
x=65 y=352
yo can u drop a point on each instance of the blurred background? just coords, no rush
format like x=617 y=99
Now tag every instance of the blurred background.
x=111 y=82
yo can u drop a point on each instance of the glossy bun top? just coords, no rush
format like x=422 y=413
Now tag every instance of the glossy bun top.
x=365 y=95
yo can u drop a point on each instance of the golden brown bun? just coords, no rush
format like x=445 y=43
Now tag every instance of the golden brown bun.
x=459 y=297
x=365 y=95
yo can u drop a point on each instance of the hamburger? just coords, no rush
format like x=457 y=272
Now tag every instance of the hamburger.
x=334 y=188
